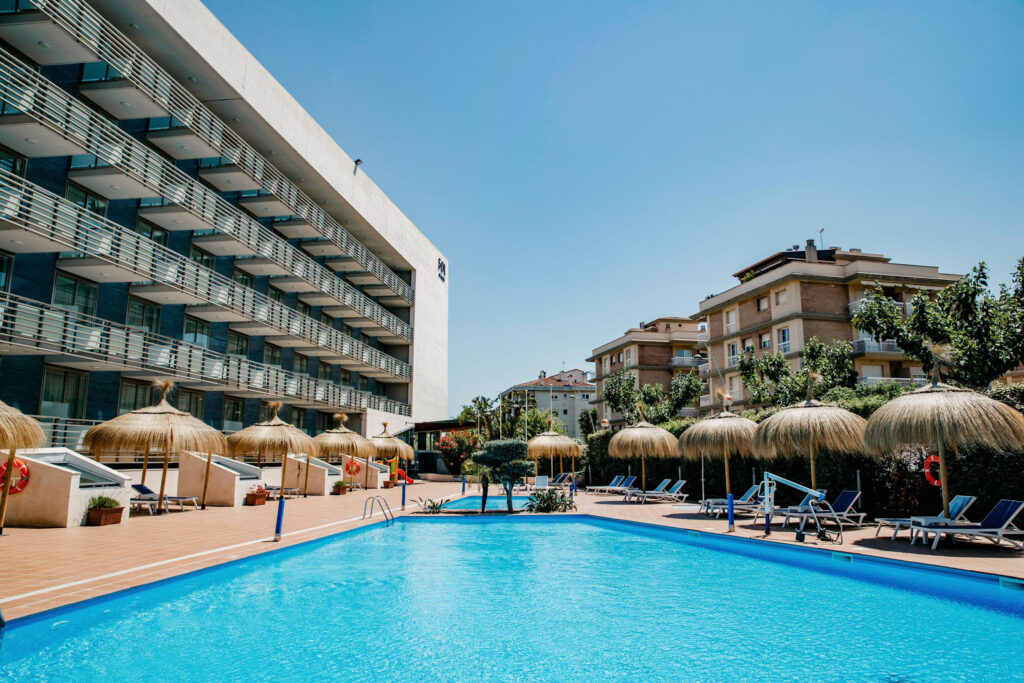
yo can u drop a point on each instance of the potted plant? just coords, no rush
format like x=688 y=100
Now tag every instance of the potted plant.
x=389 y=484
x=104 y=510
x=340 y=488
x=257 y=495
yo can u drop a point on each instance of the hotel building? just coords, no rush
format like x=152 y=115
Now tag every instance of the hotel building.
x=796 y=294
x=652 y=352
x=168 y=210
x=565 y=395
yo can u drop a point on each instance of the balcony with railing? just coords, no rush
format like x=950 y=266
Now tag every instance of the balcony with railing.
x=905 y=307
x=33 y=220
x=90 y=32
x=87 y=343
x=866 y=346
x=915 y=381
x=687 y=362
x=733 y=361
x=784 y=347
x=117 y=152
x=704 y=370
x=707 y=400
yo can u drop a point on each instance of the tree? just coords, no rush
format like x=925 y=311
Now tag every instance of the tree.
x=772 y=381
x=455 y=448
x=622 y=395
x=587 y=422
x=506 y=462
x=480 y=410
x=983 y=332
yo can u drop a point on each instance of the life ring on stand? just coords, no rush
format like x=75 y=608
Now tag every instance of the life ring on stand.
x=928 y=462
x=17 y=485
x=352 y=467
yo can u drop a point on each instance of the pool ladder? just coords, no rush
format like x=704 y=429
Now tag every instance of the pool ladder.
x=385 y=509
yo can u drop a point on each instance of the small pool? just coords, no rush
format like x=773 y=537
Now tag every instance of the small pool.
x=534 y=598
x=493 y=503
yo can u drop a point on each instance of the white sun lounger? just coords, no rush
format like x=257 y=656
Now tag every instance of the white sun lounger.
x=997 y=526
x=957 y=509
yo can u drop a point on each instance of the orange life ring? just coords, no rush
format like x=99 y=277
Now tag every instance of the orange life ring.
x=352 y=467
x=928 y=462
x=17 y=485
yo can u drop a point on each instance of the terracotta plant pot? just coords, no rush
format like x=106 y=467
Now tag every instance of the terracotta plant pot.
x=255 y=499
x=104 y=516
x=339 y=491
x=389 y=484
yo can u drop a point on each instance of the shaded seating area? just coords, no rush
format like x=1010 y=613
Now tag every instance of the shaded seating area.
x=996 y=527
x=957 y=509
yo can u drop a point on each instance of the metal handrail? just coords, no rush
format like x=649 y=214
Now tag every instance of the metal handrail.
x=380 y=502
x=50 y=329
x=54 y=108
x=91 y=30
x=34 y=209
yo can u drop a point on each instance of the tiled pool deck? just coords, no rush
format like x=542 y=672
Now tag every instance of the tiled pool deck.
x=45 y=568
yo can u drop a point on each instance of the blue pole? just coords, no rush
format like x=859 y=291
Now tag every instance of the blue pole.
x=732 y=515
x=280 y=516
x=463 y=485
x=403 y=495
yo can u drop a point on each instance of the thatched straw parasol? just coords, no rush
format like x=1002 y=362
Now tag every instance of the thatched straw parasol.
x=940 y=417
x=723 y=434
x=17 y=430
x=807 y=428
x=273 y=437
x=388 y=447
x=160 y=426
x=342 y=441
x=551 y=443
x=644 y=440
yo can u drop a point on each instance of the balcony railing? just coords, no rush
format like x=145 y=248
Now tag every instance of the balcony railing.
x=28 y=207
x=872 y=346
x=784 y=347
x=94 y=32
x=33 y=326
x=686 y=362
x=731 y=328
x=916 y=381
x=906 y=307
x=733 y=361
x=707 y=400
x=704 y=370
x=52 y=107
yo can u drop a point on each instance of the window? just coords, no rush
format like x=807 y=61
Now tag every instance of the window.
x=11 y=163
x=784 y=340
x=265 y=412
x=197 y=332
x=324 y=421
x=734 y=386
x=241 y=277
x=730 y=321
x=275 y=294
x=364 y=384
x=73 y=294
x=272 y=355
x=684 y=353
x=298 y=418
x=346 y=377
x=133 y=395
x=564 y=411
x=584 y=396
x=238 y=344
x=234 y=413
x=619 y=358
x=147 y=229
x=63 y=393
x=300 y=364
x=781 y=297
x=765 y=340
x=748 y=344
x=323 y=371
x=303 y=308
x=733 y=351
x=762 y=303
x=326 y=320
x=86 y=200
x=192 y=402
x=143 y=315
x=347 y=330
x=629 y=353
x=201 y=257
x=5 y=272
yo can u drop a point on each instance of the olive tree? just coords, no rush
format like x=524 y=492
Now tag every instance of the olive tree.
x=506 y=461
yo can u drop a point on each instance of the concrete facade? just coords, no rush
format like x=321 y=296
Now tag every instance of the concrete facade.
x=565 y=395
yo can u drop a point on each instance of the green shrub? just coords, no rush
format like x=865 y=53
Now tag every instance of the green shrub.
x=550 y=501
x=431 y=506
x=103 y=502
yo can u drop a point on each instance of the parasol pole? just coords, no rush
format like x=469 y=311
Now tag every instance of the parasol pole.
x=284 y=470
x=305 y=486
x=145 y=462
x=163 y=478
x=944 y=477
x=561 y=467
x=8 y=475
x=206 y=481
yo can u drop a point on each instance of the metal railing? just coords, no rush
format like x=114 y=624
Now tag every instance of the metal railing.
x=905 y=307
x=733 y=361
x=95 y=33
x=55 y=109
x=49 y=329
x=784 y=347
x=29 y=207
x=686 y=362
x=916 y=381
x=704 y=370
x=872 y=346
x=706 y=400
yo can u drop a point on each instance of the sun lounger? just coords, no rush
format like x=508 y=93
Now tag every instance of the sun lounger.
x=561 y=480
x=275 y=492
x=598 y=489
x=842 y=506
x=957 y=508
x=997 y=526
x=149 y=498
x=803 y=506
x=671 y=495
x=540 y=483
x=630 y=493
x=708 y=503
x=626 y=485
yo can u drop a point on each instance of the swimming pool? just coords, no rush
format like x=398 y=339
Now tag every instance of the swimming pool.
x=493 y=503
x=532 y=598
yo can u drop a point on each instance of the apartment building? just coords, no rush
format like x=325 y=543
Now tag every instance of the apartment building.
x=565 y=395
x=653 y=352
x=796 y=294
x=168 y=210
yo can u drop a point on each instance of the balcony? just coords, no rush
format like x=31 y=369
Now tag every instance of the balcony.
x=784 y=347
x=905 y=307
x=180 y=143
x=686 y=362
x=105 y=180
x=916 y=381
x=32 y=33
x=30 y=138
x=295 y=228
x=120 y=98
x=733 y=361
x=704 y=370
x=707 y=400
x=870 y=346
x=263 y=205
x=226 y=177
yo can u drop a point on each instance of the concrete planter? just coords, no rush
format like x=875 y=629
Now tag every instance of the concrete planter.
x=389 y=484
x=104 y=516
x=255 y=499
x=339 y=490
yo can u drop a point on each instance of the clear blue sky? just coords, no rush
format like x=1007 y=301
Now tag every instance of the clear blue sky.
x=586 y=165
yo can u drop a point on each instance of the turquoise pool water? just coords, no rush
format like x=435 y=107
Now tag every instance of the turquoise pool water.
x=493 y=503
x=532 y=599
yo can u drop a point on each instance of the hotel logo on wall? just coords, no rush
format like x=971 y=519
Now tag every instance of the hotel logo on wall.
x=442 y=270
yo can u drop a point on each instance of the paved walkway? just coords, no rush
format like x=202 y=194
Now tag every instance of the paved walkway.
x=45 y=568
